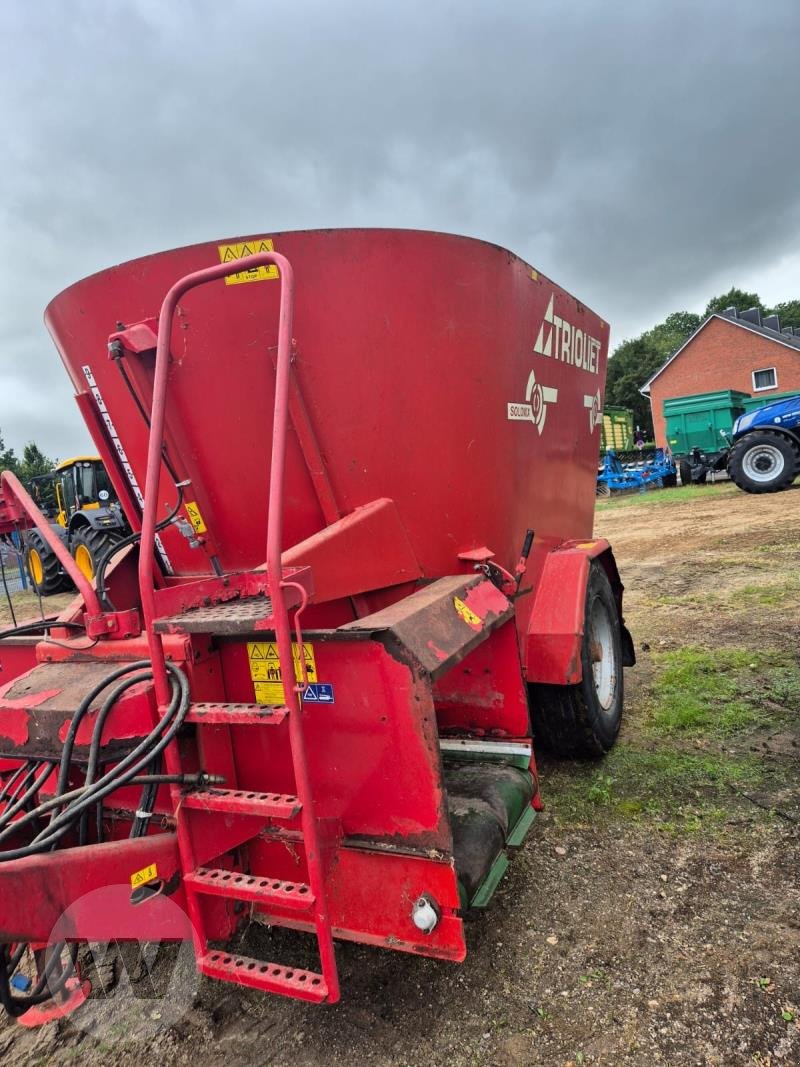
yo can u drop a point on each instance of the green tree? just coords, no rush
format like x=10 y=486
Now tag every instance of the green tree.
x=631 y=365
x=788 y=312
x=737 y=298
x=636 y=360
x=8 y=458
x=34 y=463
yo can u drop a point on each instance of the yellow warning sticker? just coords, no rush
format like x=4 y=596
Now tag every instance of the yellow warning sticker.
x=265 y=669
x=227 y=253
x=195 y=518
x=145 y=875
x=466 y=613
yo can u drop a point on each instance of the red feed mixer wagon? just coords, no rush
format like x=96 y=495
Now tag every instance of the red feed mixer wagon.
x=304 y=689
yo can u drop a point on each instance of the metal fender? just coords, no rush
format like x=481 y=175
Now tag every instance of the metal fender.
x=555 y=630
x=98 y=519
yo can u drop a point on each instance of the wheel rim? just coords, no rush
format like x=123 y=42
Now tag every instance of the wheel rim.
x=763 y=463
x=36 y=566
x=601 y=644
x=83 y=557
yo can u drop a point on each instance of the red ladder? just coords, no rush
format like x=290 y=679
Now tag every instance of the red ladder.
x=256 y=808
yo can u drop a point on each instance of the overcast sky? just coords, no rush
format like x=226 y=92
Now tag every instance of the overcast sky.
x=645 y=154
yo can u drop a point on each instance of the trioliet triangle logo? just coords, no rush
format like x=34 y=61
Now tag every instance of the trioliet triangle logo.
x=559 y=339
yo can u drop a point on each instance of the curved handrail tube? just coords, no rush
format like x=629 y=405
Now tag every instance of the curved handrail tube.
x=154 y=450
x=28 y=505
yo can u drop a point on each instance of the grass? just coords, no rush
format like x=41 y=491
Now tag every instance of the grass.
x=663 y=497
x=722 y=693
x=673 y=790
x=26 y=605
x=781 y=593
x=682 y=763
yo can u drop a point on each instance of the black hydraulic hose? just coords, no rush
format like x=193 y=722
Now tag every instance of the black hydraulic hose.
x=147 y=802
x=117 y=356
x=83 y=708
x=32 y=785
x=121 y=774
x=45 y=987
x=40 y=624
x=97 y=732
x=80 y=800
x=131 y=539
x=11 y=781
x=126 y=769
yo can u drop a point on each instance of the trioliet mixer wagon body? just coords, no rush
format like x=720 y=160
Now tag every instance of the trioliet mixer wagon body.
x=333 y=448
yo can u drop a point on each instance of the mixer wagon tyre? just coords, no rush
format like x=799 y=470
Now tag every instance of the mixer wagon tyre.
x=89 y=546
x=584 y=720
x=764 y=462
x=43 y=567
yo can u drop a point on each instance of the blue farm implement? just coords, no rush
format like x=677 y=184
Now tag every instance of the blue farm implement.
x=635 y=472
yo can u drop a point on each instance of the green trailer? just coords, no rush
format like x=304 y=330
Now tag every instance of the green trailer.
x=616 y=430
x=752 y=403
x=696 y=421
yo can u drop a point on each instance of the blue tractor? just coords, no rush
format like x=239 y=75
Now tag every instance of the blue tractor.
x=764 y=451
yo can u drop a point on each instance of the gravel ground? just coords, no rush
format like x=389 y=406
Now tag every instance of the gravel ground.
x=648 y=920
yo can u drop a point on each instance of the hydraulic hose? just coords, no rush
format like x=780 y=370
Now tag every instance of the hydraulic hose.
x=79 y=800
x=69 y=807
x=131 y=539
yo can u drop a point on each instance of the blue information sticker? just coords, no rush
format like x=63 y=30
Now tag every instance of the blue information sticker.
x=319 y=693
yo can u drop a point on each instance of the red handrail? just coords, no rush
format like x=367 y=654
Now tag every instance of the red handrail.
x=275 y=582
x=26 y=502
x=155 y=444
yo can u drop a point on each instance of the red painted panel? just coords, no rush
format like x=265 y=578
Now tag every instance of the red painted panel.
x=438 y=371
x=556 y=626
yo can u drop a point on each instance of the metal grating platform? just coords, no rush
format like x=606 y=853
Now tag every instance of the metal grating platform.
x=245 y=615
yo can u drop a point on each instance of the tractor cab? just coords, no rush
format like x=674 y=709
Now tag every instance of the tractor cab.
x=81 y=484
x=83 y=509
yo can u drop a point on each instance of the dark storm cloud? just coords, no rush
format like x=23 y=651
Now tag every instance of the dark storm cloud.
x=641 y=153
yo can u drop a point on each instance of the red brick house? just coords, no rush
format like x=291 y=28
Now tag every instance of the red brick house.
x=729 y=350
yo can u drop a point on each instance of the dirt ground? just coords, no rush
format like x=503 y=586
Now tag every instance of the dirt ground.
x=653 y=917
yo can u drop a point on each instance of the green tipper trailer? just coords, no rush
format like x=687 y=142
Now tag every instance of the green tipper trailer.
x=760 y=399
x=696 y=421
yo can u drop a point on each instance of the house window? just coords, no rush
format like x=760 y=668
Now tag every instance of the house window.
x=764 y=379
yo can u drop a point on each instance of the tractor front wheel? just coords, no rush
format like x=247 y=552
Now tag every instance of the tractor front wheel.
x=89 y=546
x=763 y=462
x=584 y=720
x=43 y=567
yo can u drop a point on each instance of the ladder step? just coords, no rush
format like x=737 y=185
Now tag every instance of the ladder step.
x=268 y=977
x=233 y=884
x=243 y=615
x=243 y=802
x=235 y=714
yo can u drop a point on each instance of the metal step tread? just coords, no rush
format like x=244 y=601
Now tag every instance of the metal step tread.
x=269 y=977
x=246 y=614
x=258 y=890
x=243 y=802
x=210 y=714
